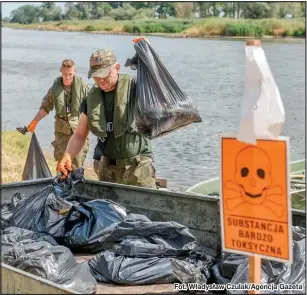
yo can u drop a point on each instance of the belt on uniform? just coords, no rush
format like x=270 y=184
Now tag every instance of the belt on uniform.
x=123 y=162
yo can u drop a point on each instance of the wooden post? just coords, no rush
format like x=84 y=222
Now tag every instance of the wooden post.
x=254 y=263
x=254 y=272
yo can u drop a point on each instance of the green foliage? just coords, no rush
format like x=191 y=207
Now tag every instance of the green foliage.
x=6 y=19
x=243 y=30
x=84 y=10
x=256 y=10
x=143 y=5
x=143 y=14
x=108 y=28
x=99 y=9
x=126 y=12
x=26 y=14
x=89 y=28
x=184 y=9
x=130 y=28
x=51 y=14
x=216 y=18
x=301 y=32
x=48 y=5
x=288 y=33
x=72 y=11
x=107 y=18
x=136 y=11
x=157 y=27
x=166 y=9
x=296 y=9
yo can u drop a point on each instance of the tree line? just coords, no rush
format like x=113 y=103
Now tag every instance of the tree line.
x=50 y=11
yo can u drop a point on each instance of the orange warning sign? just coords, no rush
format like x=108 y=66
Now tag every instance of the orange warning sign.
x=255 y=198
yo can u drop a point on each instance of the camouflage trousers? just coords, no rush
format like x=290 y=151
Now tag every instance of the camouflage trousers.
x=137 y=171
x=60 y=144
x=96 y=166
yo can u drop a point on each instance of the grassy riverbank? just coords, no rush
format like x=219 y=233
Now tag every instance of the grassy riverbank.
x=14 y=152
x=210 y=27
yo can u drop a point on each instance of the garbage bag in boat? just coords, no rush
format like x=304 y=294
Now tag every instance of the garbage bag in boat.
x=39 y=255
x=107 y=267
x=102 y=225
x=43 y=212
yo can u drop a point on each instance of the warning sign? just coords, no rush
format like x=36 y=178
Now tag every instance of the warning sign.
x=255 y=198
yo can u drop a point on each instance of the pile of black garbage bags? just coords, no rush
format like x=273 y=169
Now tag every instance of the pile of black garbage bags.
x=40 y=233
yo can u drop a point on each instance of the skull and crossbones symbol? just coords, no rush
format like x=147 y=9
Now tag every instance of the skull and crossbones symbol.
x=253 y=179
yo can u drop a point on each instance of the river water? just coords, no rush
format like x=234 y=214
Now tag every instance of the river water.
x=211 y=72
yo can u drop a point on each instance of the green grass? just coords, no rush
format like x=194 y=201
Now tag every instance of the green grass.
x=243 y=30
x=163 y=26
x=14 y=151
x=249 y=28
x=89 y=28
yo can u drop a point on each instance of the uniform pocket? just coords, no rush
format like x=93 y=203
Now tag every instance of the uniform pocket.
x=62 y=126
x=144 y=174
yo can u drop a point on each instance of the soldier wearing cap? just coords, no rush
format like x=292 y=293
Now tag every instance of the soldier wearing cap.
x=109 y=112
x=65 y=96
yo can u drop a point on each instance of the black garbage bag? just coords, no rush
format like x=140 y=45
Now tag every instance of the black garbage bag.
x=7 y=210
x=138 y=236
x=224 y=270
x=6 y=214
x=135 y=250
x=17 y=199
x=103 y=225
x=275 y=272
x=149 y=246
x=230 y=264
x=107 y=267
x=36 y=166
x=217 y=276
x=163 y=106
x=45 y=211
x=42 y=212
x=65 y=187
x=193 y=269
x=34 y=254
x=15 y=236
x=88 y=223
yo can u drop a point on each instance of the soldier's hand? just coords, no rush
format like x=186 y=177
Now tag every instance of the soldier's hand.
x=64 y=165
x=31 y=127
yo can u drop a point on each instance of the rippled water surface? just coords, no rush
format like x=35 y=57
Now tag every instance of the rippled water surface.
x=210 y=71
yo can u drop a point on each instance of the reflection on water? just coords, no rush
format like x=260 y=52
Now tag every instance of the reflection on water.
x=210 y=71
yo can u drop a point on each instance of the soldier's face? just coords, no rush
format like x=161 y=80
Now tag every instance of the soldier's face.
x=109 y=83
x=68 y=75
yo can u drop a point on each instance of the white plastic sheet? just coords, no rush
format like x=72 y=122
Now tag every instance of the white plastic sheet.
x=262 y=111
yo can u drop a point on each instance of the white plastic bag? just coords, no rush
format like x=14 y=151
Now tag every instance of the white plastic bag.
x=262 y=111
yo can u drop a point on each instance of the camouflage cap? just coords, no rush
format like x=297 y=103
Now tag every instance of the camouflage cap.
x=101 y=62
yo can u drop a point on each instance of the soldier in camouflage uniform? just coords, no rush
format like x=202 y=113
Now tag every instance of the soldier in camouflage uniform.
x=109 y=112
x=65 y=96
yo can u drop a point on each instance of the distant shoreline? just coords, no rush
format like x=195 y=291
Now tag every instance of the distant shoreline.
x=211 y=31
x=165 y=35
